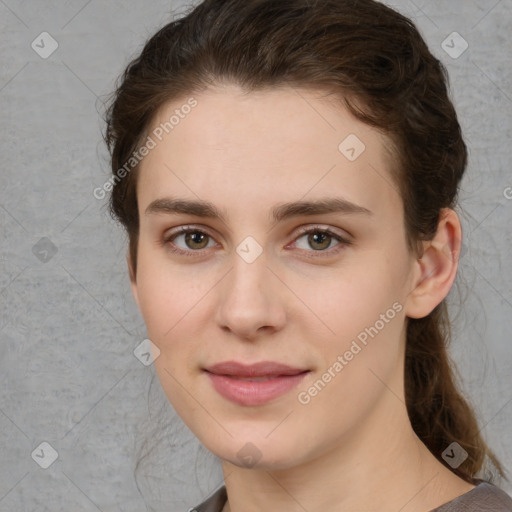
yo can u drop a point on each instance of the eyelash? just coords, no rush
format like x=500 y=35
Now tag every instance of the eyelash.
x=167 y=241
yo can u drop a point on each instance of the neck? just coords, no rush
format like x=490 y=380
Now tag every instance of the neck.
x=379 y=465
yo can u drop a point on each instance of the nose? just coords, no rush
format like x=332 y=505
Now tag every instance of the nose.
x=250 y=300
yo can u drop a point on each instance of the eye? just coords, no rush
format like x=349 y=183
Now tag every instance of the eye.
x=320 y=240
x=192 y=240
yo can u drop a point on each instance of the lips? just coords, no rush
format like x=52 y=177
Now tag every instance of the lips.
x=257 y=370
x=253 y=384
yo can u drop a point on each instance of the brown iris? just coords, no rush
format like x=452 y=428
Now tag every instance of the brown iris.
x=319 y=238
x=196 y=238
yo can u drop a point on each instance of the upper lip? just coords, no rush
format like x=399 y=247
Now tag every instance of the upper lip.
x=260 y=369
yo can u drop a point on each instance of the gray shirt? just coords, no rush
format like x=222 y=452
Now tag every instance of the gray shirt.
x=485 y=497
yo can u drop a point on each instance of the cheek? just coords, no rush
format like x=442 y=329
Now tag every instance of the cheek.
x=157 y=304
x=362 y=321
x=359 y=362
x=174 y=303
x=353 y=299
x=166 y=294
x=168 y=300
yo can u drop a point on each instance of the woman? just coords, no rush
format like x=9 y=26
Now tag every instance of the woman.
x=287 y=174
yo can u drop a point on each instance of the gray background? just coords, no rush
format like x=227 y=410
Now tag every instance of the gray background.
x=69 y=326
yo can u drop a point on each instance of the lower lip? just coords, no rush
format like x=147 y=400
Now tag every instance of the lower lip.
x=245 y=392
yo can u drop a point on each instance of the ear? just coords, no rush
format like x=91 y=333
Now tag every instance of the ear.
x=435 y=272
x=133 y=279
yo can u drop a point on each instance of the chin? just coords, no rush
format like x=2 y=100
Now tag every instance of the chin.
x=256 y=451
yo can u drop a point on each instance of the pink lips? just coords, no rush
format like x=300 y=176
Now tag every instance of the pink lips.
x=231 y=380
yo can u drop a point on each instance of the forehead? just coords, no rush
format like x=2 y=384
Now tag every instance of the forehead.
x=261 y=148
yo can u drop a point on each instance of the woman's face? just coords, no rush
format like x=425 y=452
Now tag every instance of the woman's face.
x=255 y=175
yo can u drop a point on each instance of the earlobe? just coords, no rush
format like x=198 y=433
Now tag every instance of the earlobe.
x=133 y=279
x=436 y=270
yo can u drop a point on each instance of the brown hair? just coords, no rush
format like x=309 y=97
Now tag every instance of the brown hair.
x=372 y=59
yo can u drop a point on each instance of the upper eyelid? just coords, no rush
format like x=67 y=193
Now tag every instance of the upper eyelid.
x=323 y=227
x=180 y=230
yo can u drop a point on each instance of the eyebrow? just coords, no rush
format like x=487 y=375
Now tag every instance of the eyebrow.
x=199 y=208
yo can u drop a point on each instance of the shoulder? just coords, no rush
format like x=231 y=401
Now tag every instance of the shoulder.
x=485 y=497
x=213 y=503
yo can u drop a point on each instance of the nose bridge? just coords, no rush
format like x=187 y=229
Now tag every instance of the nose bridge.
x=248 y=299
x=249 y=278
x=249 y=261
